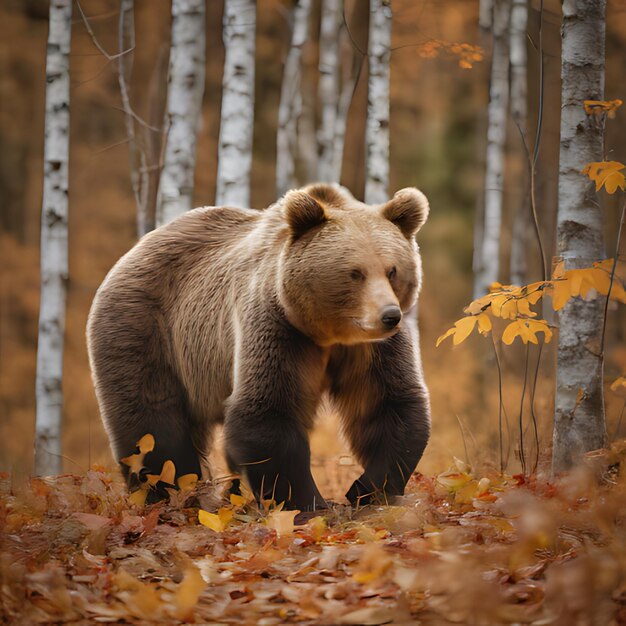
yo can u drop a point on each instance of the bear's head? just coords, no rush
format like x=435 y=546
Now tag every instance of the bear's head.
x=349 y=271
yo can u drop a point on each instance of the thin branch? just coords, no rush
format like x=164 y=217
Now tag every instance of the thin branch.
x=521 y=415
x=608 y=295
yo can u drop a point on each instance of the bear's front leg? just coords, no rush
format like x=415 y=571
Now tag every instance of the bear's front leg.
x=385 y=408
x=278 y=381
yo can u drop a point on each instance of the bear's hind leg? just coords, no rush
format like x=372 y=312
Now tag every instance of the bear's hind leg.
x=173 y=441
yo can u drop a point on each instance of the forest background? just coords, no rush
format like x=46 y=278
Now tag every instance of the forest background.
x=437 y=129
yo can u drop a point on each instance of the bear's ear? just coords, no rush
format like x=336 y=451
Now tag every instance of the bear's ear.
x=303 y=212
x=408 y=210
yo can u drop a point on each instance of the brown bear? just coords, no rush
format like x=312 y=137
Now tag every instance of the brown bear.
x=248 y=318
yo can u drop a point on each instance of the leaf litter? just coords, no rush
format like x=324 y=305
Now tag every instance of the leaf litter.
x=459 y=548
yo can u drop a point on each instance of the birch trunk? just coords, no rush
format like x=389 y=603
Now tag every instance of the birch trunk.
x=139 y=174
x=377 y=127
x=237 y=118
x=328 y=88
x=54 y=254
x=348 y=86
x=489 y=260
x=184 y=104
x=519 y=108
x=291 y=101
x=485 y=21
x=579 y=424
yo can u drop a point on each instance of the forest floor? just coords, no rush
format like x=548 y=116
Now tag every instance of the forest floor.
x=459 y=548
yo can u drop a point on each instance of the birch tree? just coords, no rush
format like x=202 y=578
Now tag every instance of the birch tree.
x=184 y=104
x=54 y=254
x=485 y=22
x=328 y=88
x=519 y=63
x=377 y=126
x=290 y=105
x=237 y=117
x=488 y=265
x=579 y=423
x=139 y=171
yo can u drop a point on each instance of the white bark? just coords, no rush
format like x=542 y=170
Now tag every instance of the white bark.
x=377 y=127
x=54 y=255
x=291 y=101
x=184 y=105
x=519 y=64
x=328 y=89
x=579 y=423
x=489 y=264
x=485 y=15
x=237 y=118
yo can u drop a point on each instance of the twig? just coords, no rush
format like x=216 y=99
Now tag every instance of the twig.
x=521 y=415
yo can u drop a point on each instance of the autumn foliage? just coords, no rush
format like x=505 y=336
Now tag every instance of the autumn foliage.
x=75 y=548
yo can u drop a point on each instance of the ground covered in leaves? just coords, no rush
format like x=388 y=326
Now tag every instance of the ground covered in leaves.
x=459 y=548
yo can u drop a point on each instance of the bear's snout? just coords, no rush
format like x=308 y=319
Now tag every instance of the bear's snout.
x=391 y=316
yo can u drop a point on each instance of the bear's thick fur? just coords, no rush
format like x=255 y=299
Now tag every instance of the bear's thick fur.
x=248 y=318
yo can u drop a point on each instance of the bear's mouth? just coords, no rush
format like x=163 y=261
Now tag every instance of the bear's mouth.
x=373 y=333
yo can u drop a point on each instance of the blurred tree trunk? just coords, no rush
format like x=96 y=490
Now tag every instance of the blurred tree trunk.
x=488 y=264
x=54 y=254
x=290 y=105
x=519 y=111
x=184 y=105
x=377 y=128
x=579 y=424
x=485 y=22
x=351 y=66
x=328 y=89
x=237 y=118
x=139 y=172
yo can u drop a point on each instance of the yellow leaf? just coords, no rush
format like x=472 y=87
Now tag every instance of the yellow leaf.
x=617 y=383
x=138 y=498
x=317 y=526
x=237 y=500
x=599 y=107
x=527 y=331
x=484 y=323
x=477 y=306
x=561 y=293
x=559 y=270
x=168 y=473
x=211 y=520
x=146 y=444
x=226 y=515
x=453 y=481
x=523 y=307
x=187 y=482
x=607 y=174
x=134 y=462
x=510 y=332
x=188 y=592
x=539 y=326
x=534 y=292
x=281 y=521
x=463 y=328
x=445 y=335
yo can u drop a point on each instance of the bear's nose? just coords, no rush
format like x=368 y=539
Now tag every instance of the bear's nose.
x=391 y=316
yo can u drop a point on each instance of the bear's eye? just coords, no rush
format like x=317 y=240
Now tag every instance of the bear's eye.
x=357 y=275
x=391 y=274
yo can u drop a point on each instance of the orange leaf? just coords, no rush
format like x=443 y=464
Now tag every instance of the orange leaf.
x=619 y=382
x=607 y=174
x=599 y=107
x=463 y=328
